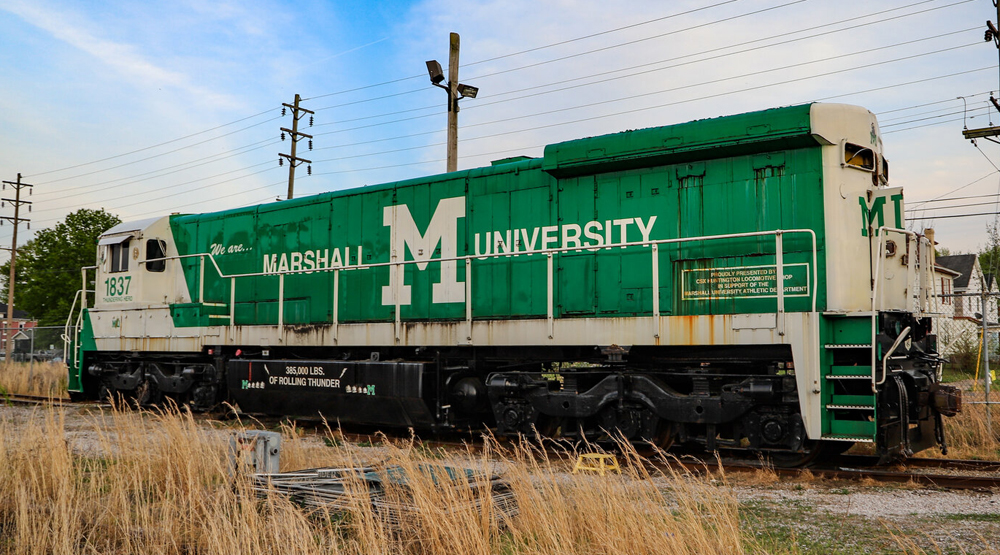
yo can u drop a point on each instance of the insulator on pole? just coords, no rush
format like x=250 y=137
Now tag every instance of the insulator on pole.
x=281 y=161
x=282 y=112
x=310 y=121
x=309 y=170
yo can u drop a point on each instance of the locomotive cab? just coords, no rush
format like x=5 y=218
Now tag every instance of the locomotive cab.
x=132 y=270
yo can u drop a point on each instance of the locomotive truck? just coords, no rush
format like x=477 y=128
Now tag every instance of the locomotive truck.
x=743 y=282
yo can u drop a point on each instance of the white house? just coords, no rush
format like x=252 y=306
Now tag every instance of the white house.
x=961 y=315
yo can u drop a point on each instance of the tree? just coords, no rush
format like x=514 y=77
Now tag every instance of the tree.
x=989 y=259
x=48 y=266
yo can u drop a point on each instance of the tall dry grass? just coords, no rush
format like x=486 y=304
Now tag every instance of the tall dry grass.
x=160 y=483
x=44 y=379
x=970 y=434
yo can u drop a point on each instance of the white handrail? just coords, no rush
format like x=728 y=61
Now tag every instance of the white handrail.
x=778 y=234
x=878 y=278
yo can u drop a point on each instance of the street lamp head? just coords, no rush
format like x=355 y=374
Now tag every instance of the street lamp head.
x=468 y=91
x=435 y=72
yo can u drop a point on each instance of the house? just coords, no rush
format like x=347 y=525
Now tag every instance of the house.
x=960 y=283
x=971 y=283
x=22 y=321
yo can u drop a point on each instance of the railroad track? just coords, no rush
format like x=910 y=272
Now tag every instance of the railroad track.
x=35 y=400
x=964 y=475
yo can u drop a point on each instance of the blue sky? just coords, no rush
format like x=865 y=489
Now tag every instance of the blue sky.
x=151 y=108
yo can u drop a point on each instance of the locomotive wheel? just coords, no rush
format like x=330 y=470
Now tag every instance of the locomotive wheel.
x=105 y=394
x=664 y=436
x=620 y=422
x=144 y=394
x=549 y=426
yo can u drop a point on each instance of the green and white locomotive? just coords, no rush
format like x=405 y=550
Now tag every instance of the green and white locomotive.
x=743 y=282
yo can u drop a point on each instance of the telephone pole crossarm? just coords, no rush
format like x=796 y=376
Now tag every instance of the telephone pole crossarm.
x=294 y=161
x=298 y=108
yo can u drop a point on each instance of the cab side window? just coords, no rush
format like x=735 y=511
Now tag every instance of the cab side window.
x=119 y=256
x=155 y=254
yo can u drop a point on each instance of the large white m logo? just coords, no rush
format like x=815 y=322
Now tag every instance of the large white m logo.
x=405 y=235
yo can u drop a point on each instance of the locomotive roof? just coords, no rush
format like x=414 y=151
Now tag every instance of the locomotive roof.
x=760 y=131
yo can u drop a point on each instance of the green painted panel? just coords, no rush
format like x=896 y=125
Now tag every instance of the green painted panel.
x=851 y=331
x=85 y=342
x=850 y=371
x=856 y=428
x=661 y=183
x=527 y=298
x=755 y=132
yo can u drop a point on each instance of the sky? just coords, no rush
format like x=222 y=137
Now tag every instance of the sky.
x=146 y=109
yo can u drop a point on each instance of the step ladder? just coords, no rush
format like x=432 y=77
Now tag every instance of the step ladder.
x=848 y=398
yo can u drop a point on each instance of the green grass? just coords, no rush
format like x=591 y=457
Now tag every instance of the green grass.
x=989 y=517
x=797 y=526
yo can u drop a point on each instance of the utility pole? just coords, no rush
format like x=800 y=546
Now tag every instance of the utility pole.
x=991 y=34
x=296 y=136
x=16 y=220
x=987 y=379
x=456 y=91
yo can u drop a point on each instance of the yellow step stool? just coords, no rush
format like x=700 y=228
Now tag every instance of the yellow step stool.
x=597 y=462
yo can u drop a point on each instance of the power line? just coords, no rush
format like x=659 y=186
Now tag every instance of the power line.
x=915 y=120
x=171 y=141
x=969 y=184
x=630 y=111
x=504 y=56
x=434 y=145
x=535 y=92
x=883 y=122
x=826 y=32
x=854 y=93
x=176 y=168
x=156 y=155
x=745 y=75
x=991 y=203
x=201 y=201
x=991 y=195
x=508 y=71
x=535 y=49
x=119 y=197
x=674 y=103
x=946 y=216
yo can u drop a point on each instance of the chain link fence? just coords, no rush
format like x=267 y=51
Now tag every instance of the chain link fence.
x=33 y=344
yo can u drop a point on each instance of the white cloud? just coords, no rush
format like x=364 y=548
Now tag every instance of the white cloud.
x=127 y=59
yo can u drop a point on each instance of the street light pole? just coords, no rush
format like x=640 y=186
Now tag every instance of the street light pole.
x=453 y=103
x=456 y=91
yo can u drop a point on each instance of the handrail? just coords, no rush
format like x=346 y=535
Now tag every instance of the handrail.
x=878 y=279
x=895 y=345
x=66 y=337
x=561 y=250
x=547 y=253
